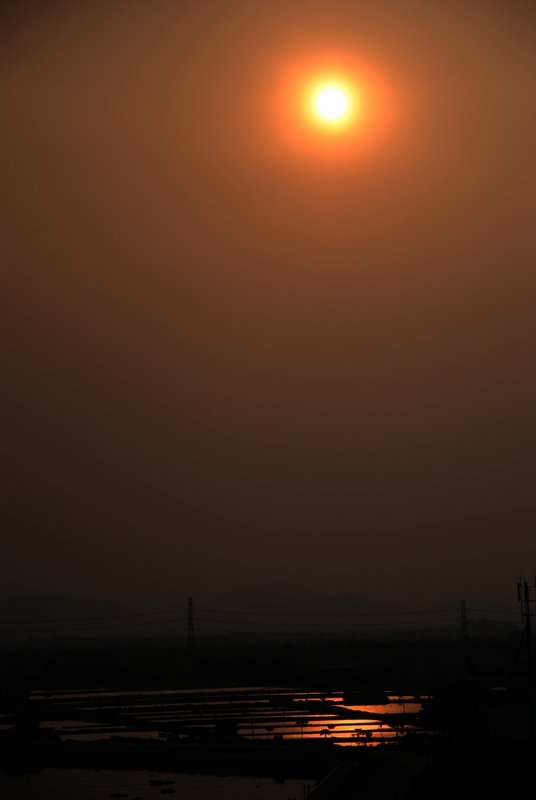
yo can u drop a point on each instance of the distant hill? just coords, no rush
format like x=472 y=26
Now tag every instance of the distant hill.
x=484 y=615
x=57 y=606
x=266 y=594
x=293 y=599
x=289 y=608
x=267 y=610
x=61 y=616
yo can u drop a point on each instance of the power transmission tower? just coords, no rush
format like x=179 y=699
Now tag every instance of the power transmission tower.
x=190 y=623
x=523 y=595
x=464 y=638
x=463 y=623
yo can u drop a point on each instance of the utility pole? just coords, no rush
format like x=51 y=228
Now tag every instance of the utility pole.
x=464 y=638
x=190 y=623
x=463 y=623
x=523 y=596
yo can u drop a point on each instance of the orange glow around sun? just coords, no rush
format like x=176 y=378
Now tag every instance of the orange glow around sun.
x=332 y=106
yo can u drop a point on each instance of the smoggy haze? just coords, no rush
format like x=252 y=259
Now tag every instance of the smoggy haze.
x=230 y=360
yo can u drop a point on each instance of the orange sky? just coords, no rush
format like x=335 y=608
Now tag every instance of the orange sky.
x=237 y=349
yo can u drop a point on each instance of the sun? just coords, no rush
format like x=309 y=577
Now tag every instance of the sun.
x=332 y=103
x=333 y=106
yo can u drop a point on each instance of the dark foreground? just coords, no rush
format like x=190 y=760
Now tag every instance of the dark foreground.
x=471 y=739
x=379 y=773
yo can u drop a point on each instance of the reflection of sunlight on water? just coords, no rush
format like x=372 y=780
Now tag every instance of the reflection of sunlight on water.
x=388 y=708
x=327 y=727
x=93 y=731
x=39 y=694
x=93 y=737
x=70 y=724
x=258 y=712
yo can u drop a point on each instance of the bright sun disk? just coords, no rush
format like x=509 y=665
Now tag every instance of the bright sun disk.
x=331 y=103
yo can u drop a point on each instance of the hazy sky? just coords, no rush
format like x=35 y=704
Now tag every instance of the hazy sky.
x=233 y=354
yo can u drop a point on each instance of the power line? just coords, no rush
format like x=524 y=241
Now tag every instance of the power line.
x=493 y=611
x=310 y=614
x=190 y=623
x=155 y=634
x=90 y=619
x=312 y=630
x=94 y=628
x=324 y=624
x=250 y=613
x=358 y=624
x=42 y=641
x=223 y=622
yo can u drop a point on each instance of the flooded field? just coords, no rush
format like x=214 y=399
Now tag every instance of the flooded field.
x=253 y=713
